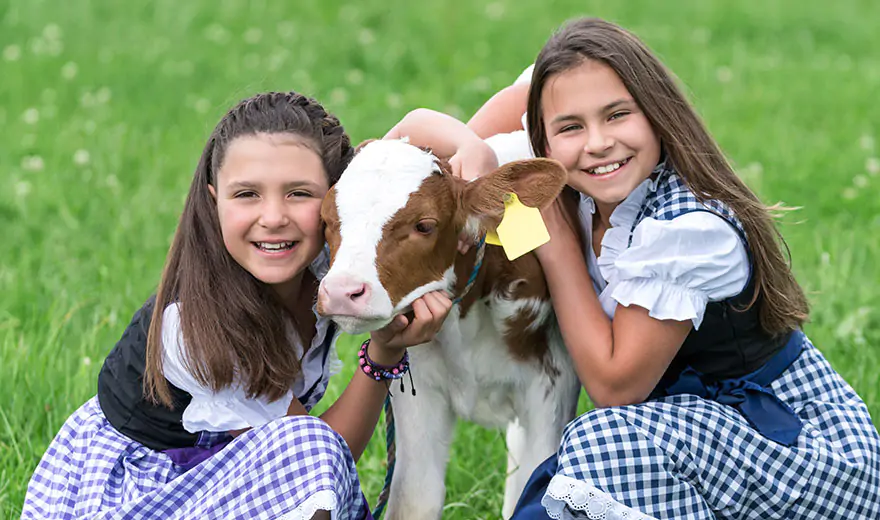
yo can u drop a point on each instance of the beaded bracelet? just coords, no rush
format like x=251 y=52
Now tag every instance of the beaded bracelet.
x=380 y=372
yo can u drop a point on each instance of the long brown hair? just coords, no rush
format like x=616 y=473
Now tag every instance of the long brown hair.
x=235 y=330
x=689 y=147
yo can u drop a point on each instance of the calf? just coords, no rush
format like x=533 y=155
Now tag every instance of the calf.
x=393 y=222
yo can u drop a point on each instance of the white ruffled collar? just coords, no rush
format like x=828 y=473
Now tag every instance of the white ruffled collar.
x=616 y=238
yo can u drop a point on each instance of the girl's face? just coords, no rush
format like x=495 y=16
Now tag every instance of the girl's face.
x=269 y=192
x=597 y=131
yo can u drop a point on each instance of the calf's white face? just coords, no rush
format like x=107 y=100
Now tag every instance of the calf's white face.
x=392 y=228
x=392 y=225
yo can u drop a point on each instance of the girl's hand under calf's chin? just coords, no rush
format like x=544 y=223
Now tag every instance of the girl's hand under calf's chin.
x=388 y=344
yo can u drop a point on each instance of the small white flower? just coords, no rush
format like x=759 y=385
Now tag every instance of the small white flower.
x=87 y=361
x=103 y=95
x=253 y=36
x=872 y=166
x=12 y=53
x=81 y=157
x=69 y=70
x=22 y=188
x=825 y=258
x=32 y=163
x=31 y=116
x=286 y=29
x=217 y=33
x=700 y=35
x=866 y=142
x=338 y=96
x=724 y=74
x=850 y=193
x=393 y=100
x=52 y=32
x=366 y=37
x=87 y=100
x=495 y=11
x=354 y=77
x=860 y=181
x=482 y=84
x=202 y=105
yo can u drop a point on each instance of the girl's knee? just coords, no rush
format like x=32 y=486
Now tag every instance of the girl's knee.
x=595 y=422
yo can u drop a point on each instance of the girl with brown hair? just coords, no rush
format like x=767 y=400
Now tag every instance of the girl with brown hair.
x=202 y=406
x=676 y=303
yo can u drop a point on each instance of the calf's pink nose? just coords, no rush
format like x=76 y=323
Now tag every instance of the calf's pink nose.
x=343 y=296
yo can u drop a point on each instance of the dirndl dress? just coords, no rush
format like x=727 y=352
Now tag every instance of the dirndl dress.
x=287 y=469
x=790 y=440
x=685 y=456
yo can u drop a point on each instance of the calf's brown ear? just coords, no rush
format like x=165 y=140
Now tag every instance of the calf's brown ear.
x=536 y=182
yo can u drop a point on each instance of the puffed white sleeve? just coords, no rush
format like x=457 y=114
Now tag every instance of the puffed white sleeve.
x=674 y=268
x=225 y=410
x=515 y=145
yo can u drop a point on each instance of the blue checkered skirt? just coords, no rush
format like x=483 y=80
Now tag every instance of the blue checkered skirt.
x=288 y=469
x=687 y=457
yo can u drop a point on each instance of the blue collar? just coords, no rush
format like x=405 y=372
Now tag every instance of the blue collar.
x=481 y=251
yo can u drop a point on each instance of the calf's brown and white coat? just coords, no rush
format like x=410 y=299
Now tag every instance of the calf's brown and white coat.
x=393 y=221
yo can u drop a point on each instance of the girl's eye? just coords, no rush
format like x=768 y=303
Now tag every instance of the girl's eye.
x=245 y=195
x=569 y=128
x=618 y=115
x=300 y=194
x=426 y=226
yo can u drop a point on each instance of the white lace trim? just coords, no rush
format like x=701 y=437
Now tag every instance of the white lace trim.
x=324 y=500
x=580 y=496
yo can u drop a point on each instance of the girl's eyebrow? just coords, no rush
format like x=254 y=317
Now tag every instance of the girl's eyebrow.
x=616 y=103
x=607 y=108
x=236 y=185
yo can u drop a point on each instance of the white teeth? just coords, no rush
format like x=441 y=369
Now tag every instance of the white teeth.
x=608 y=168
x=280 y=246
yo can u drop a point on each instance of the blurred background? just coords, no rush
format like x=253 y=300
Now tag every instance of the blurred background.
x=105 y=107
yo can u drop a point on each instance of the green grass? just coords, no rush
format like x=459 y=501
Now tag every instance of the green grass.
x=105 y=106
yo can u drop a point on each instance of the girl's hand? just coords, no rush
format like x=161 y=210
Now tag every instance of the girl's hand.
x=429 y=313
x=561 y=221
x=473 y=159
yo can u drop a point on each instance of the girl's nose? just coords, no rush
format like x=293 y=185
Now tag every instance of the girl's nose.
x=597 y=141
x=273 y=215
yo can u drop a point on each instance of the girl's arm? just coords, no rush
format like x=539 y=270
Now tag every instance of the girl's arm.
x=502 y=113
x=469 y=156
x=355 y=413
x=618 y=362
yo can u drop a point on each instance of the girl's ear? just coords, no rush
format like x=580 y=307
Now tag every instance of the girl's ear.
x=213 y=192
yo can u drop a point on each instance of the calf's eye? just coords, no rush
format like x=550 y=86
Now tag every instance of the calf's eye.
x=426 y=226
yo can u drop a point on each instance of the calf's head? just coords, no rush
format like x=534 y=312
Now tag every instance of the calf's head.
x=393 y=221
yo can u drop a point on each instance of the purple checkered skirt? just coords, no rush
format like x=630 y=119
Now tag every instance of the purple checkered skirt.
x=687 y=457
x=287 y=469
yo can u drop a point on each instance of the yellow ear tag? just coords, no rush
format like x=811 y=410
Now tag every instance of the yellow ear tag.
x=521 y=229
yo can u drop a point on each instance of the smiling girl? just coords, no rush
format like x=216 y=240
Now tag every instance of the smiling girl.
x=675 y=301
x=202 y=406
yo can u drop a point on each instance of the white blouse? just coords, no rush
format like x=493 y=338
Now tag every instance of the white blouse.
x=229 y=408
x=673 y=268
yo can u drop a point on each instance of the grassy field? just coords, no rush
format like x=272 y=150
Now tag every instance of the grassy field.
x=105 y=106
